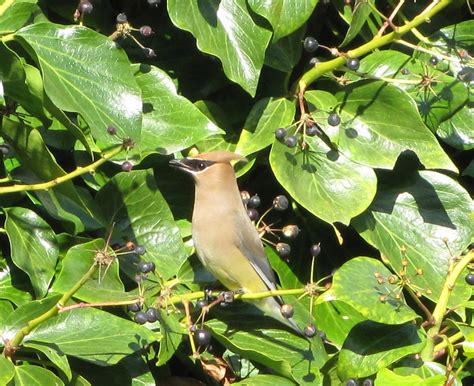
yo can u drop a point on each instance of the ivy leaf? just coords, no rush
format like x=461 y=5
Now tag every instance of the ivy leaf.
x=170 y=122
x=424 y=219
x=285 y=54
x=225 y=29
x=360 y=15
x=35 y=376
x=285 y=16
x=388 y=377
x=86 y=72
x=16 y=15
x=8 y=291
x=33 y=247
x=59 y=359
x=7 y=370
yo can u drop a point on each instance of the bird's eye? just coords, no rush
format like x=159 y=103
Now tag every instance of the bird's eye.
x=201 y=166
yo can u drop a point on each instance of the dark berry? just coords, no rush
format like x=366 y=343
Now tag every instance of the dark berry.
x=245 y=197
x=135 y=307
x=313 y=61
x=405 y=71
x=466 y=74
x=202 y=337
x=283 y=250
x=469 y=278
x=280 y=133
x=280 y=203
x=121 y=18
x=287 y=311
x=146 y=266
x=140 y=317
x=315 y=249
x=253 y=214
x=352 y=382
x=433 y=61
x=353 y=64
x=368 y=382
x=151 y=314
x=310 y=330
x=140 y=250
x=310 y=44
x=290 y=141
x=334 y=119
x=149 y=53
x=254 y=201
x=85 y=7
x=202 y=303
x=127 y=166
x=290 y=231
x=139 y=277
x=112 y=130
x=146 y=31
x=311 y=131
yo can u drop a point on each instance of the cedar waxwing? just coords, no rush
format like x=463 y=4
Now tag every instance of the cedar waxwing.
x=226 y=241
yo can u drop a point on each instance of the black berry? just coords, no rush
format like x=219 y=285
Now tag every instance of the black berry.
x=139 y=277
x=310 y=44
x=121 y=18
x=280 y=133
x=311 y=131
x=368 y=382
x=280 y=203
x=140 y=250
x=146 y=31
x=469 y=278
x=202 y=337
x=283 y=250
x=310 y=330
x=315 y=249
x=134 y=307
x=313 y=61
x=202 y=303
x=245 y=197
x=140 y=317
x=334 y=119
x=85 y=7
x=287 y=311
x=112 y=130
x=151 y=315
x=352 y=382
x=433 y=61
x=127 y=166
x=254 y=201
x=253 y=214
x=290 y=231
x=353 y=64
x=146 y=266
x=290 y=141
x=149 y=53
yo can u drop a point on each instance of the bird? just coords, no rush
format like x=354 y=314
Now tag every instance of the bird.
x=225 y=239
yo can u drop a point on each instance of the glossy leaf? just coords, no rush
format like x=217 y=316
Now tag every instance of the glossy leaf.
x=9 y=291
x=104 y=286
x=35 y=376
x=33 y=247
x=285 y=54
x=266 y=116
x=426 y=220
x=368 y=301
x=371 y=346
x=360 y=15
x=16 y=15
x=225 y=29
x=75 y=72
x=172 y=336
x=388 y=377
x=58 y=358
x=134 y=203
x=92 y=335
x=7 y=370
x=170 y=121
x=265 y=380
x=457 y=131
x=286 y=354
x=325 y=182
x=6 y=309
x=285 y=16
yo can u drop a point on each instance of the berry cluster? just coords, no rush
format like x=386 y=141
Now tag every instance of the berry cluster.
x=355 y=382
x=142 y=316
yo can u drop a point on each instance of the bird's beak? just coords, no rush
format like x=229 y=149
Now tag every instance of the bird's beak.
x=180 y=164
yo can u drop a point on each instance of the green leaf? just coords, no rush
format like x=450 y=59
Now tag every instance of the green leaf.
x=265 y=117
x=379 y=122
x=285 y=16
x=389 y=378
x=457 y=131
x=16 y=16
x=170 y=122
x=134 y=203
x=172 y=336
x=225 y=29
x=28 y=375
x=57 y=357
x=86 y=72
x=285 y=54
x=325 y=182
x=8 y=290
x=286 y=354
x=265 y=380
x=425 y=219
x=5 y=309
x=104 y=286
x=372 y=346
x=33 y=247
x=92 y=335
x=7 y=370
x=360 y=15
x=369 y=291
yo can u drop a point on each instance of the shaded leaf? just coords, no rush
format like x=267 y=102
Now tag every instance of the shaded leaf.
x=9 y=291
x=285 y=54
x=7 y=370
x=28 y=375
x=225 y=29
x=360 y=15
x=57 y=357
x=265 y=380
x=172 y=336
x=16 y=15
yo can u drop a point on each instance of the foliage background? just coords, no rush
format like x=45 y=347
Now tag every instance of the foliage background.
x=385 y=192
